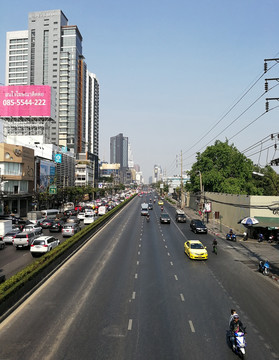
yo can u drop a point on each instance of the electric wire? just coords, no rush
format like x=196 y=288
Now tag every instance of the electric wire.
x=231 y=108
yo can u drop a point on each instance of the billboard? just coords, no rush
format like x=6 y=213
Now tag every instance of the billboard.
x=47 y=174
x=27 y=100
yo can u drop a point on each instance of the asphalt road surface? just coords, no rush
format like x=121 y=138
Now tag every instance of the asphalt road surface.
x=132 y=293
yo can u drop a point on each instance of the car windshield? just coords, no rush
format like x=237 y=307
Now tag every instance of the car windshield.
x=196 y=246
x=199 y=223
x=165 y=215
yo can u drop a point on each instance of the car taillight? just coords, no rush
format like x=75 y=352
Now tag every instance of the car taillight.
x=32 y=245
x=45 y=245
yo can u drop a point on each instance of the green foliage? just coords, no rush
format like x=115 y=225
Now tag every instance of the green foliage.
x=224 y=169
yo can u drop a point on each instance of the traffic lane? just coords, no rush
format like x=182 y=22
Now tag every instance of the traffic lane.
x=13 y=260
x=170 y=307
x=255 y=296
x=240 y=289
x=83 y=306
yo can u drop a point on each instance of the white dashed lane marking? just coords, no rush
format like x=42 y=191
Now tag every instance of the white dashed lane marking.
x=191 y=326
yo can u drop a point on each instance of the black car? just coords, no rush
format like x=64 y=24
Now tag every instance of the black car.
x=165 y=218
x=150 y=206
x=198 y=226
x=70 y=212
x=57 y=226
x=46 y=223
x=180 y=217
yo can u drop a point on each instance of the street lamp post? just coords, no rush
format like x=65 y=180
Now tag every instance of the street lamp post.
x=202 y=193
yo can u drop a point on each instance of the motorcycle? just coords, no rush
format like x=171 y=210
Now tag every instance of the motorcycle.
x=261 y=238
x=264 y=267
x=240 y=344
x=231 y=237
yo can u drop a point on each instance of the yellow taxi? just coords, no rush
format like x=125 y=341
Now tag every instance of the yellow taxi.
x=195 y=250
x=160 y=202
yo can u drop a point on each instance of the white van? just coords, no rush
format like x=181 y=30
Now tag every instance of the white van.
x=102 y=210
x=50 y=213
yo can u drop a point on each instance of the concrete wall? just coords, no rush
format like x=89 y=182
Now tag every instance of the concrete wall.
x=233 y=208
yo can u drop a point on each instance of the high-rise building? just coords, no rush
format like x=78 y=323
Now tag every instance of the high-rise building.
x=92 y=114
x=157 y=173
x=119 y=150
x=50 y=53
x=17 y=58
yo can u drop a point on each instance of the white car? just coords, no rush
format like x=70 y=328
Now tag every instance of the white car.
x=89 y=212
x=43 y=244
x=89 y=219
x=81 y=215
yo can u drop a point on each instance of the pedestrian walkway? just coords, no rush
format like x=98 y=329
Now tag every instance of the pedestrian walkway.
x=257 y=251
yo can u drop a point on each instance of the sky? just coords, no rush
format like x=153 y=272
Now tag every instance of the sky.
x=175 y=75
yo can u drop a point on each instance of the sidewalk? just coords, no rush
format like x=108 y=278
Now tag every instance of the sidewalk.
x=257 y=251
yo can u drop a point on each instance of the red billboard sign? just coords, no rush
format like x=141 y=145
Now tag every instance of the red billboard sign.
x=26 y=101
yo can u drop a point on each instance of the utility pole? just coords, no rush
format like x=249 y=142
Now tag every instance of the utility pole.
x=182 y=203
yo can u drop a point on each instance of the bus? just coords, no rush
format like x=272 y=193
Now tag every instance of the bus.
x=50 y=213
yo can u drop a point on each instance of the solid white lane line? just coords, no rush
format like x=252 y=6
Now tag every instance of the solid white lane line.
x=192 y=326
x=130 y=324
x=182 y=297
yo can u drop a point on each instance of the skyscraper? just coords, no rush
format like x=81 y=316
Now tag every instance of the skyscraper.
x=119 y=150
x=50 y=53
x=92 y=114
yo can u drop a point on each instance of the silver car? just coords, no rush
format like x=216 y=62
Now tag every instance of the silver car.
x=8 y=238
x=70 y=229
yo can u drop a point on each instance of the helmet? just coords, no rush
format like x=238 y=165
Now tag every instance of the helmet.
x=236 y=317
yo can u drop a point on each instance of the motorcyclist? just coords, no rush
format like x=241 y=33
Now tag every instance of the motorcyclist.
x=147 y=217
x=261 y=237
x=235 y=327
x=233 y=312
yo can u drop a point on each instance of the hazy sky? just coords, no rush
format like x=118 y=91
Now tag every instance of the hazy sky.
x=170 y=71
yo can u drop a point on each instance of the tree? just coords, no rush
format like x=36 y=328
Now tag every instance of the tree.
x=224 y=169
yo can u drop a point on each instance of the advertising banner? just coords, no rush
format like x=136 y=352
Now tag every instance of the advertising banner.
x=26 y=101
x=47 y=174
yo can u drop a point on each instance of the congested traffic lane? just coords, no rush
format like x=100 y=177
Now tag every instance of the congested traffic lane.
x=131 y=293
x=13 y=260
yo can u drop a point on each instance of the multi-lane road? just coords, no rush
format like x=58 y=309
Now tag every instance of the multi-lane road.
x=132 y=293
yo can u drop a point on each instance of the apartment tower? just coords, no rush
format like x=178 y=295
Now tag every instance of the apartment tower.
x=50 y=53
